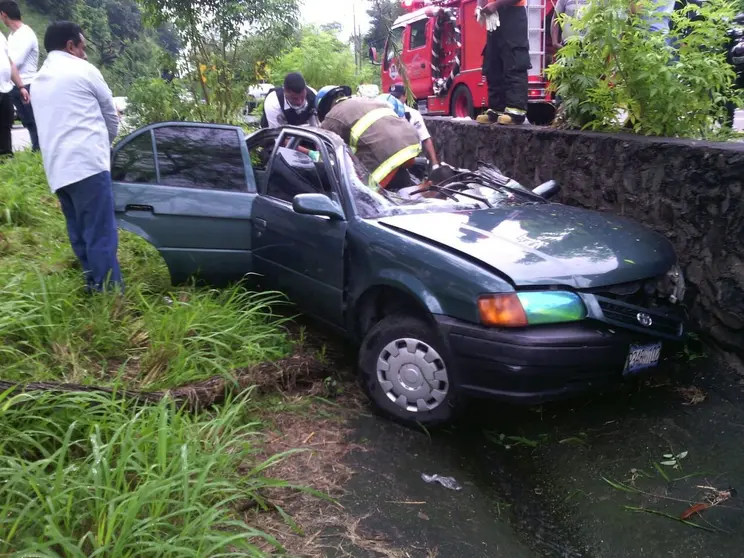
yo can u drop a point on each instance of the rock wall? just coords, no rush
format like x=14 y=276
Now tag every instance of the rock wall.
x=688 y=190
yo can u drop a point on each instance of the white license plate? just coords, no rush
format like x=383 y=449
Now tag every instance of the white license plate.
x=641 y=357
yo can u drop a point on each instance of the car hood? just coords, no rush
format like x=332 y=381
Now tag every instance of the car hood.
x=547 y=244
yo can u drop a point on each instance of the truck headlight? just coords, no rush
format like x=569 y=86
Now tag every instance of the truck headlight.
x=530 y=308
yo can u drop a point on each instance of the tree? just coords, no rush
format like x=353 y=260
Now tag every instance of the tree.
x=213 y=33
x=322 y=59
x=334 y=28
x=110 y=26
x=56 y=9
x=382 y=15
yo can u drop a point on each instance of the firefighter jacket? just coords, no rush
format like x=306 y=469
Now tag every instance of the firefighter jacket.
x=381 y=139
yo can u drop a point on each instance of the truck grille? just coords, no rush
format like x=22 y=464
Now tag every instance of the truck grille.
x=634 y=317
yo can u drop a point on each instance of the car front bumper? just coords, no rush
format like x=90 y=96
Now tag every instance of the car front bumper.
x=541 y=363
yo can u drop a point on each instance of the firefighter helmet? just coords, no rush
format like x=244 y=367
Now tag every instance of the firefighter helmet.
x=326 y=97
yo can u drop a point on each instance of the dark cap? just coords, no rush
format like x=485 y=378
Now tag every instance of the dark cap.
x=397 y=90
x=295 y=82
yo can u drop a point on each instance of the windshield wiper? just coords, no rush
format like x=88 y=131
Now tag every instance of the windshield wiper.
x=489 y=178
x=449 y=192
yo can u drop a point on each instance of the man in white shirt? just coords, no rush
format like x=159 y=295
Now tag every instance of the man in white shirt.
x=293 y=104
x=77 y=122
x=24 y=51
x=8 y=76
x=414 y=117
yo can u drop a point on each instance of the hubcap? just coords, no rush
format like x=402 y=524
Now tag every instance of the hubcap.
x=412 y=375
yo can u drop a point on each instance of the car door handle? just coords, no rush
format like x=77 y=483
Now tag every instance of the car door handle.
x=260 y=223
x=137 y=207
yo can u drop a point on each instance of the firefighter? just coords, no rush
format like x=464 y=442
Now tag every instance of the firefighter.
x=506 y=60
x=375 y=130
x=293 y=104
x=398 y=91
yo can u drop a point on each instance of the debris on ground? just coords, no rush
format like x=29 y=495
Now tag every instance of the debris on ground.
x=446 y=482
x=691 y=395
x=714 y=497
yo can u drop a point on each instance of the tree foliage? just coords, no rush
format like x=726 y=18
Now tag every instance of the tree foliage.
x=323 y=60
x=620 y=64
x=214 y=34
x=382 y=14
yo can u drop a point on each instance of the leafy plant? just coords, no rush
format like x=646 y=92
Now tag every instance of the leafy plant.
x=621 y=66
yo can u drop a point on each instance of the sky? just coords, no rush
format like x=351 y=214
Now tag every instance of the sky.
x=342 y=11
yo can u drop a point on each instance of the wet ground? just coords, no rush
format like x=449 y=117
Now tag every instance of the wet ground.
x=580 y=478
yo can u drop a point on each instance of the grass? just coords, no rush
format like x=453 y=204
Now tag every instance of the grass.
x=155 y=337
x=90 y=474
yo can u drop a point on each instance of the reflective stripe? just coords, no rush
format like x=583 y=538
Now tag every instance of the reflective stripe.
x=395 y=161
x=365 y=122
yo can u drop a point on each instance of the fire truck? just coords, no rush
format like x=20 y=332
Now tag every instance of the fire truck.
x=440 y=45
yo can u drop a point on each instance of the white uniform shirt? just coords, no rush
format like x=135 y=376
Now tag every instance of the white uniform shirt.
x=275 y=113
x=24 y=51
x=6 y=85
x=75 y=117
x=417 y=121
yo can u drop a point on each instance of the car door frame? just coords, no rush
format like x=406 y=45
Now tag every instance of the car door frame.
x=335 y=317
x=209 y=262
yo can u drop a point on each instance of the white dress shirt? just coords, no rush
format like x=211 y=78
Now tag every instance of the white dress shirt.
x=24 y=51
x=75 y=117
x=275 y=112
x=6 y=84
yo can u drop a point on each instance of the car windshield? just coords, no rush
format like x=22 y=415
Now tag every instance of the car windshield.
x=373 y=202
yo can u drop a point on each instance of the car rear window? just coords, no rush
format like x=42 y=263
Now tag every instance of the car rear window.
x=200 y=157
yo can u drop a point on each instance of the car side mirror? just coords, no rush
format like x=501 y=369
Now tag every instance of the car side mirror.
x=547 y=189
x=317 y=204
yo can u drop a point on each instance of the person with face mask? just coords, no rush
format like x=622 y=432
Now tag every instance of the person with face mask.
x=293 y=104
x=77 y=122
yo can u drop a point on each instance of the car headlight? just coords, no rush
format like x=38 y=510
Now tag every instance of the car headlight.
x=530 y=308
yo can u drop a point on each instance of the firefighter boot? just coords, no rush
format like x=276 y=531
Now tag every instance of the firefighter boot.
x=512 y=117
x=489 y=117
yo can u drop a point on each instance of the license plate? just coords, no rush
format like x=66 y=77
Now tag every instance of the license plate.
x=642 y=357
x=423 y=107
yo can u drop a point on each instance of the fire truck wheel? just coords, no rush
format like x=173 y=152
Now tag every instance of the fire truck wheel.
x=462 y=103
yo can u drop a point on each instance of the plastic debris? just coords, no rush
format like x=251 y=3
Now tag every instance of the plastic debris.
x=446 y=482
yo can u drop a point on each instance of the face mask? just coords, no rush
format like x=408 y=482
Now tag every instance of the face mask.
x=297 y=108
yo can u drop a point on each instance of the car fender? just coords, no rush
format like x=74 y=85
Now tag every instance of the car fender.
x=410 y=284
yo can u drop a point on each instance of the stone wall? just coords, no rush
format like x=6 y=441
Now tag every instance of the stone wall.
x=688 y=190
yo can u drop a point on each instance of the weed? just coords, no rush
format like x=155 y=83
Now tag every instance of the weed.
x=89 y=474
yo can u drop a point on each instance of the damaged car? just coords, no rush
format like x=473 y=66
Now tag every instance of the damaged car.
x=484 y=288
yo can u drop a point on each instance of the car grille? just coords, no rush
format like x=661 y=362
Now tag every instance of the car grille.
x=625 y=315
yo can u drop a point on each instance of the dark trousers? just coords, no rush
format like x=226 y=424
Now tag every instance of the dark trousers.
x=26 y=114
x=6 y=124
x=506 y=60
x=88 y=207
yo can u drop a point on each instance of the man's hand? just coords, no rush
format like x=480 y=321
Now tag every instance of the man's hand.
x=25 y=97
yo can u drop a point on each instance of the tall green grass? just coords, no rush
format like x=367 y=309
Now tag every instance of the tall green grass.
x=155 y=337
x=91 y=475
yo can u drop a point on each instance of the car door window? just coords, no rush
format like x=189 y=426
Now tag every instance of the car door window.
x=135 y=162
x=200 y=157
x=418 y=34
x=293 y=172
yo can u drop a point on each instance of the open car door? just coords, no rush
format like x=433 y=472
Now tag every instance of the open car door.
x=188 y=189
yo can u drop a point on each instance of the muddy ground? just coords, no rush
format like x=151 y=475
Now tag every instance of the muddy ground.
x=580 y=478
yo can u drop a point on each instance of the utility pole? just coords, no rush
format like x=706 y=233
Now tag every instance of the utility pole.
x=354 y=36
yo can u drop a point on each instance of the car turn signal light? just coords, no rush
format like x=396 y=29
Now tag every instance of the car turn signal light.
x=502 y=310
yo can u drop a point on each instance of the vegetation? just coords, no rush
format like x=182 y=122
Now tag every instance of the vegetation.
x=155 y=336
x=323 y=60
x=678 y=89
x=90 y=475
x=119 y=42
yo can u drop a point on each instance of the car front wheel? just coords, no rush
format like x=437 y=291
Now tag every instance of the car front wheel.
x=404 y=371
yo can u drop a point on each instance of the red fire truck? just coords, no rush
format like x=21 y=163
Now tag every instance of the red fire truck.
x=440 y=44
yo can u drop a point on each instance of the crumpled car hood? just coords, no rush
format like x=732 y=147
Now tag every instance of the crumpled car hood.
x=547 y=244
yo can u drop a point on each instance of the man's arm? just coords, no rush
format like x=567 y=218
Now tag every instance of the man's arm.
x=555 y=31
x=19 y=48
x=274 y=113
x=106 y=102
x=16 y=78
x=431 y=152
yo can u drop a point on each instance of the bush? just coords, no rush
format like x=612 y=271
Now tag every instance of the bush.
x=622 y=65
x=155 y=100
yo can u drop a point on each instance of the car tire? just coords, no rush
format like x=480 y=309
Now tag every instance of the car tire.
x=462 y=105
x=404 y=371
